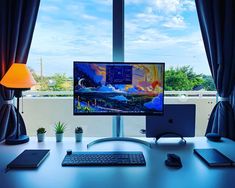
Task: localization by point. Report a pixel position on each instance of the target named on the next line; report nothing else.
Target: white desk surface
(155, 174)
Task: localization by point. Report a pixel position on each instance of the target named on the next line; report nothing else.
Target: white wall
(45, 111)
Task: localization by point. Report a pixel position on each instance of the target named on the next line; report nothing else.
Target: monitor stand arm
(167, 133)
(118, 139)
(118, 134)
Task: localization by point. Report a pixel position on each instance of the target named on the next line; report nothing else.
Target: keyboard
(122, 158)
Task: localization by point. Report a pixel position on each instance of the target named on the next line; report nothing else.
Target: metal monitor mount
(118, 134)
(170, 133)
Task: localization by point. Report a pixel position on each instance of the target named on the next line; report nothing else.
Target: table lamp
(19, 78)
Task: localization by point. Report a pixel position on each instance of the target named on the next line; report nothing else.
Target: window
(69, 30)
(168, 31)
(164, 30)
(155, 31)
(66, 31)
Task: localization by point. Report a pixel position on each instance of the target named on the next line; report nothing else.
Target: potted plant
(41, 134)
(78, 134)
(59, 130)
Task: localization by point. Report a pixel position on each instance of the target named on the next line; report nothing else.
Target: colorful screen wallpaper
(124, 88)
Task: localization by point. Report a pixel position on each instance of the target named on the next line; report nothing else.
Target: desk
(51, 174)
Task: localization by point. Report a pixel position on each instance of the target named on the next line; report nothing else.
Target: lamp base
(14, 141)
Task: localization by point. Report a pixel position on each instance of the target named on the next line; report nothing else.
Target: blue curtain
(217, 22)
(17, 22)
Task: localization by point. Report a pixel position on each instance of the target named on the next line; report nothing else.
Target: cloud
(108, 88)
(61, 39)
(104, 2)
(164, 13)
(188, 5)
(168, 6)
(174, 51)
(176, 22)
(154, 39)
(148, 16)
(134, 2)
(81, 32)
(49, 8)
(78, 10)
(165, 31)
(174, 6)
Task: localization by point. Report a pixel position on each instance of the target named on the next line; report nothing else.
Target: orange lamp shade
(18, 76)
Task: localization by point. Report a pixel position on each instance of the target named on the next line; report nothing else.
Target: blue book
(29, 159)
(213, 158)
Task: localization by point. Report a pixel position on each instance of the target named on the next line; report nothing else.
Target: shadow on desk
(173, 146)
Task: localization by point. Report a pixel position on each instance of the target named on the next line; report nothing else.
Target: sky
(81, 30)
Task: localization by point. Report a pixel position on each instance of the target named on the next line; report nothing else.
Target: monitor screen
(118, 88)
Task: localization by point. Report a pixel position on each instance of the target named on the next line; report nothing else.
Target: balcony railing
(43, 109)
(166, 93)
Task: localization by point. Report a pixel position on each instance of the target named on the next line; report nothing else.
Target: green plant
(78, 130)
(60, 127)
(41, 130)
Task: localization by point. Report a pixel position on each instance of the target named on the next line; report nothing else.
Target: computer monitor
(107, 88)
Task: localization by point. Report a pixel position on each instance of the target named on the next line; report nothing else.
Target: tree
(182, 79)
(61, 83)
(34, 74)
(208, 83)
(41, 81)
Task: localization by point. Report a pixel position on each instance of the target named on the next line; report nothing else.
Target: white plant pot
(78, 137)
(59, 137)
(41, 137)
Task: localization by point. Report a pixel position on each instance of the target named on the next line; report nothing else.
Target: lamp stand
(18, 138)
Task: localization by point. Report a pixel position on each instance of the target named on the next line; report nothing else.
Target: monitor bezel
(113, 113)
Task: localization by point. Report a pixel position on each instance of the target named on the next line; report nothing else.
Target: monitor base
(119, 139)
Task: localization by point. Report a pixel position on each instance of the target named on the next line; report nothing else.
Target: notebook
(213, 157)
(29, 159)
